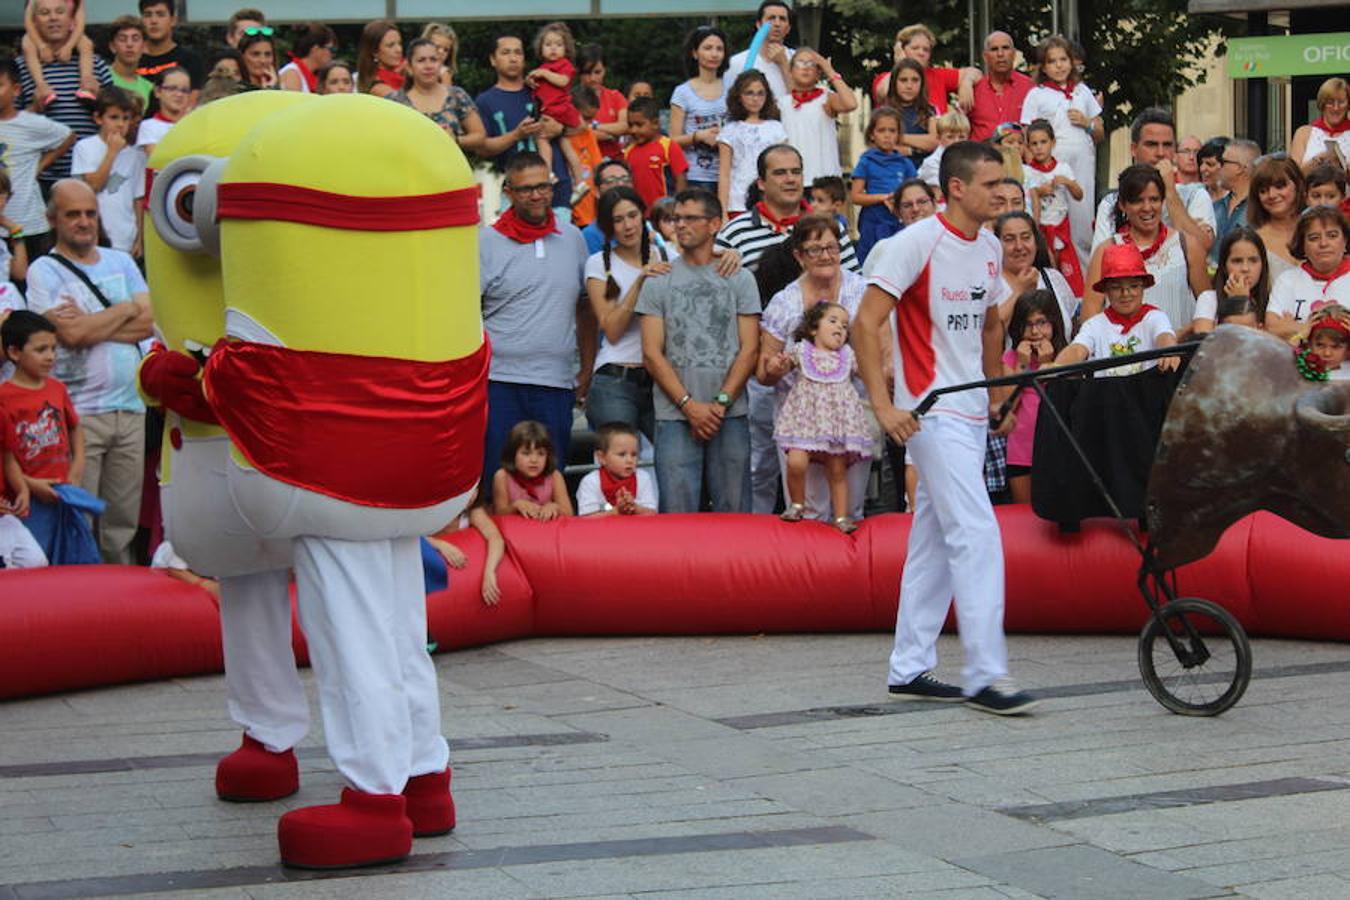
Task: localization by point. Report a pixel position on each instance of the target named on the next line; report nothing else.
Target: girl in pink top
(1036, 332)
(529, 483)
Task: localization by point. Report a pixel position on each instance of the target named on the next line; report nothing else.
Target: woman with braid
(621, 389)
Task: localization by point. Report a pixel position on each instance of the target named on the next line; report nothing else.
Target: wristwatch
(683, 401)
(723, 398)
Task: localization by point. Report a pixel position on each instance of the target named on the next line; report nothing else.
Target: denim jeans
(616, 399)
(509, 404)
(683, 464)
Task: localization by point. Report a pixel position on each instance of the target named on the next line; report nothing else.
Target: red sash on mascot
(368, 430)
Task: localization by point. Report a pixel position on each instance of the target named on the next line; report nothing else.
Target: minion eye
(178, 200)
(177, 204)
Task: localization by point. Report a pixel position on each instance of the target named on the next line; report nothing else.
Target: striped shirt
(749, 235)
(64, 79)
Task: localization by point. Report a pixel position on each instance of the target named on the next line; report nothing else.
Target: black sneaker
(1002, 698)
(926, 687)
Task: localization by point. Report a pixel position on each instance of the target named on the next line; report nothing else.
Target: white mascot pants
(263, 691)
(362, 603)
(954, 551)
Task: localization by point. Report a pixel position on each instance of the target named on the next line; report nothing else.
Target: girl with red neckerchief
(1323, 277)
(529, 483)
(810, 109)
(173, 95)
(1075, 115)
(1052, 186)
(1326, 138)
(312, 51)
(1177, 268)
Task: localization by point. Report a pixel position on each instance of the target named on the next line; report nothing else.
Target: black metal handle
(1022, 379)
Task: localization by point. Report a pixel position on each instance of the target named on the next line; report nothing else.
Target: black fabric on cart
(1117, 420)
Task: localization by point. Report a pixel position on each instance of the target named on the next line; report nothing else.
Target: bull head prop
(1244, 432)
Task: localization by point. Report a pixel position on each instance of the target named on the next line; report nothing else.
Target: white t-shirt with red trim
(1104, 339)
(1054, 207)
(942, 282)
(1296, 291)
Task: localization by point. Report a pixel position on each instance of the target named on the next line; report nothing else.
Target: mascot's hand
(171, 378)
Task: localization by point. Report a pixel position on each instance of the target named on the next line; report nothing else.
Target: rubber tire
(1233, 633)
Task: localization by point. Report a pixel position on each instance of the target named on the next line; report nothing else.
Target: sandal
(845, 524)
(794, 512)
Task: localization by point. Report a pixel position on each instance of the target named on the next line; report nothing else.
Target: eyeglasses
(822, 250)
(1224, 161)
(680, 220)
(542, 188)
(1129, 285)
(616, 179)
(753, 94)
(174, 89)
(804, 63)
(1038, 323)
(265, 30)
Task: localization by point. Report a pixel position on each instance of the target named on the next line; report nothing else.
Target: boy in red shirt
(651, 152)
(42, 432)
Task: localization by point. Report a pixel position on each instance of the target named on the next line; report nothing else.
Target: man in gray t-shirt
(700, 339)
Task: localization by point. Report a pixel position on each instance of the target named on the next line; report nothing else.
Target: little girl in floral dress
(822, 420)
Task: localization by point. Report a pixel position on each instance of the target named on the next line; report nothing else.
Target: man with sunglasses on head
(246, 20)
(162, 53)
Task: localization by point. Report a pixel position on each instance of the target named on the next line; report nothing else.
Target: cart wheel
(1215, 664)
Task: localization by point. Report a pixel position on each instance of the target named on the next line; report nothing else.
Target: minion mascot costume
(265, 695)
(353, 385)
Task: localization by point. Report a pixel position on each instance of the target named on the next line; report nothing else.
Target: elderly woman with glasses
(815, 245)
(1326, 138)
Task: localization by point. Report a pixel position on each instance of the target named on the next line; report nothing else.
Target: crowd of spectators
(654, 259)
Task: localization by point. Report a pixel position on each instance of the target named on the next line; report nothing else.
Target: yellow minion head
(185, 285)
(348, 226)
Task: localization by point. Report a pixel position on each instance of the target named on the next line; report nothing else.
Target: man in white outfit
(774, 56)
(941, 277)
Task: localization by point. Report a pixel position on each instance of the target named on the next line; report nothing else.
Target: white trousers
(263, 690)
(1083, 160)
(362, 603)
(954, 551)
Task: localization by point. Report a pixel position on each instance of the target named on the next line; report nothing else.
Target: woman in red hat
(1127, 324)
(1176, 264)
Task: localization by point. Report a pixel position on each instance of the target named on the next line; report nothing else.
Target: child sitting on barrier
(529, 483)
(618, 487)
(1127, 324)
(1036, 331)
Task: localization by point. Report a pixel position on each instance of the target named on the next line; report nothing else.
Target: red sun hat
(1330, 323)
(1122, 261)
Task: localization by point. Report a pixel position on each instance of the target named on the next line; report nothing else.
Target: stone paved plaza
(729, 767)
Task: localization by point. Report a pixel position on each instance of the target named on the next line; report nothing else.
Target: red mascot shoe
(253, 773)
(431, 807)
(361, 830)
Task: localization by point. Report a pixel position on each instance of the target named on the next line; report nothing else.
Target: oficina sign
(1296, 54)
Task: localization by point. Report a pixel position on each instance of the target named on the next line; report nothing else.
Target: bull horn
(1326, 409)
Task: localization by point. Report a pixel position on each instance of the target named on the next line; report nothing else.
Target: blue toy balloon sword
(758, 41)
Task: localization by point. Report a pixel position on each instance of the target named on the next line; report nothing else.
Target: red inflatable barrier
(77, 627)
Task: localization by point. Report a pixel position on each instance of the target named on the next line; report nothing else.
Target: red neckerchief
(801, 98)
(609, 486)
(1315, 275)
(1127, 323)
(287, 409)
(531, 486)
(522, 232)
(391, 77)
(1048, 166)
(310, 78)
(1067, 88)
(1321, 123)
(160, 117)
(783, 224)
(1151, 249)
(1345, 206)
